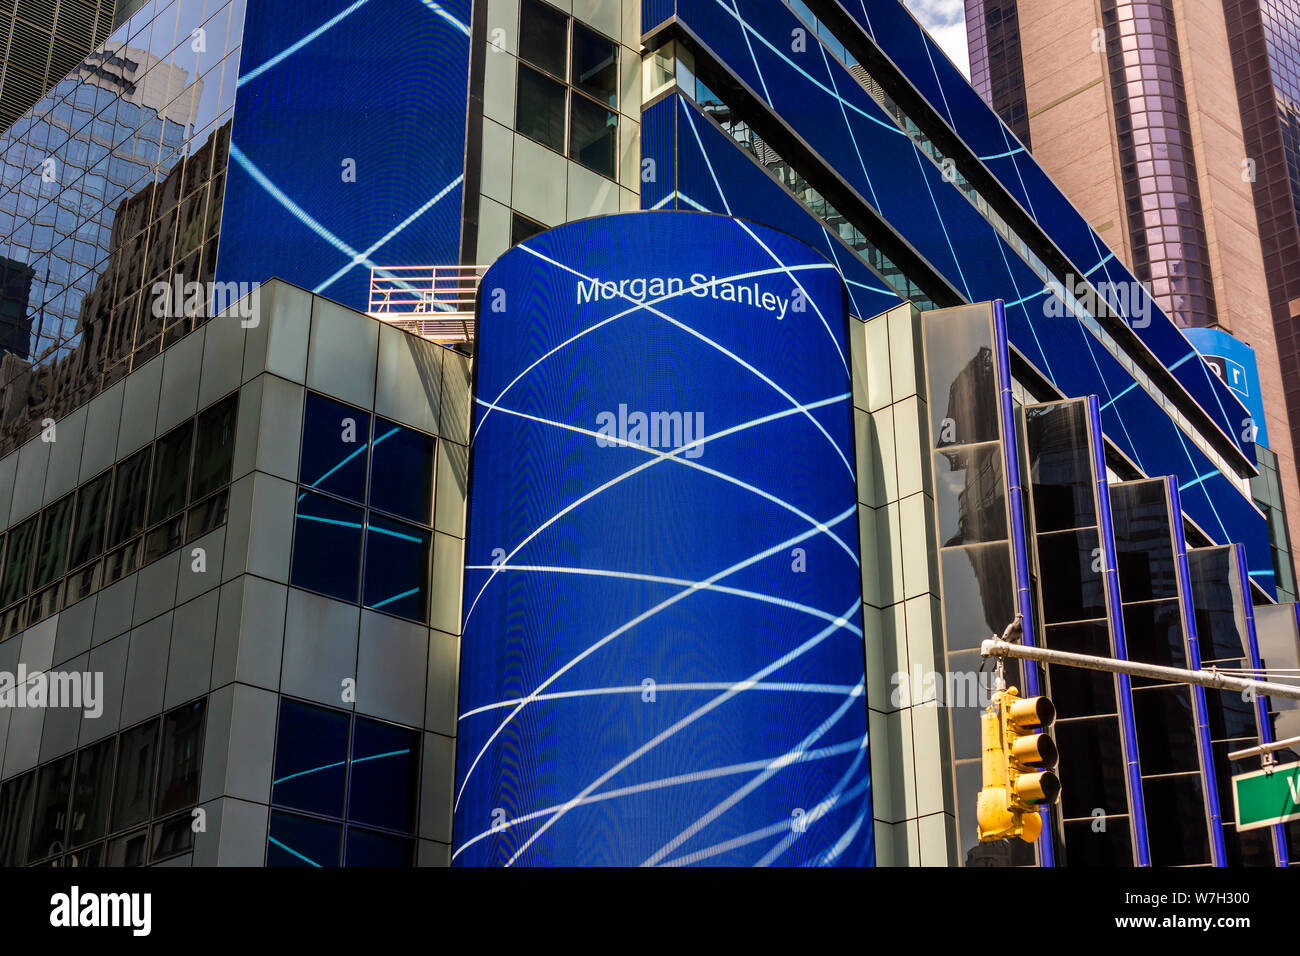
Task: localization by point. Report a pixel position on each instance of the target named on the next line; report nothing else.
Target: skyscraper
(1167, 124)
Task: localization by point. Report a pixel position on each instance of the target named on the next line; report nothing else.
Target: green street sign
(1261, 799)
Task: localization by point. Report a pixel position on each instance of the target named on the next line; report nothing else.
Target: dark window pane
(593, 140)
(1086, 845)
(18, 561)
(367, 848)
(397, 562)
(1091, 767)
(384, 775)
(173, 836)
(298, 841)
(1074, 691)
(129, 850)
(1143, 540)
(86, 856)
(1154, 632)
(311, 752)
(178, 768)
(1060, 467)
(91, 790)
(595, 65)
(171, 473)
(50, 826)
(1166, 730)
(540, 109)
(327, 547)
(208, 514)
(543, 36)
(401, 482)
(16, 799)
(1176, 823)
(335, 439)
(522, 228)
(92, 518)
(129, 488)
(1069, 564)
(214, 447)
(132, 801)
(163, 539)
(52, 555)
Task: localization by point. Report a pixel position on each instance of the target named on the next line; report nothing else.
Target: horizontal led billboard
(662, 660)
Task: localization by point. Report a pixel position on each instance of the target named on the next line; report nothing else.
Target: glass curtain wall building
(42, 42)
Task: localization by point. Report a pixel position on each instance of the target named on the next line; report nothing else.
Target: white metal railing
(434, 302)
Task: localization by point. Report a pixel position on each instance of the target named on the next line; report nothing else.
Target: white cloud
(946, 21)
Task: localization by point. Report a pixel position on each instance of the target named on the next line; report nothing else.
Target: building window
(138, 788)
(168, 493)
(363, 524)
(567, 87)
(541, 109)
(522, 228)
(345, 790)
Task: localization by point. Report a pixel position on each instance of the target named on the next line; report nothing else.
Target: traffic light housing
(1018, 757)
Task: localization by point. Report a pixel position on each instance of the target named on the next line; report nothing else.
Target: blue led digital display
(706, 170)
(662, 658)
(1234, 362)
(348, 148)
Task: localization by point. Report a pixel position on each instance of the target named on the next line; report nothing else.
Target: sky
(946, 21)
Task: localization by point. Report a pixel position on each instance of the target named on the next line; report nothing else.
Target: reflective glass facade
(111, 184)
(41, 42)
(1161, 191)
(1264, 36)
(996, 71)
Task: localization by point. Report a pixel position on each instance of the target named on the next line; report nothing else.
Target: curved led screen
(662, 660)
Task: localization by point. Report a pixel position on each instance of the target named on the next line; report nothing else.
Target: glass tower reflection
(111, 183)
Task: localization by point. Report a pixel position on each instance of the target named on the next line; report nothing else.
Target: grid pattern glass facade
(1161, 192)
(41, 41)
(60, 813)
(110, 186)
(172, 491)
(996, 67)
(345, 789)
(1264, 37)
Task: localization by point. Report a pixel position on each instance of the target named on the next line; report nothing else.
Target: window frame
(343, 821)
(570, 86)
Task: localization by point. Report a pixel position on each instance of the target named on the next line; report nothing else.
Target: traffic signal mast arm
(1175, 675)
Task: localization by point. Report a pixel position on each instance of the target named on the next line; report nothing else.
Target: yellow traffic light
(1017, 759)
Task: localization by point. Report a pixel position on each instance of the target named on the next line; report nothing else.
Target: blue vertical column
(1218, 852)
(1019, 545)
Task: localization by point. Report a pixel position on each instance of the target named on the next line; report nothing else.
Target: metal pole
(1176, 675)
(1264, 749)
